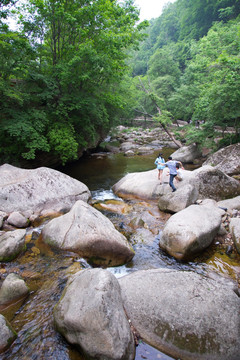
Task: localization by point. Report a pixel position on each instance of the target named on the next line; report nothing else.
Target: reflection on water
(46, 271)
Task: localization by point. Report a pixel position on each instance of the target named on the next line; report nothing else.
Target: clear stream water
(46, 271)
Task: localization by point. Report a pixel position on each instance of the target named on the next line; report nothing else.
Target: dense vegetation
(190, 67)
(75, 68)
(61, 80)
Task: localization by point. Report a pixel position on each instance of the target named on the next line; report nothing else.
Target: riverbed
(46, 271)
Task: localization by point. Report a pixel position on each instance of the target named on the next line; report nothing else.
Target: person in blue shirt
(172, 166)
(160, 162)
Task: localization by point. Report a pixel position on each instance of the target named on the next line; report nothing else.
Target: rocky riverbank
(181, 313)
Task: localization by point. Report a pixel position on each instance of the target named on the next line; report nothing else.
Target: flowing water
(46, 271)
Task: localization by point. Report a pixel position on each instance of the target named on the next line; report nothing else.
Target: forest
(74, 69)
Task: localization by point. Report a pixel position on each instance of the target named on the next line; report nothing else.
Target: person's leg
(160, 175)
(171, 182)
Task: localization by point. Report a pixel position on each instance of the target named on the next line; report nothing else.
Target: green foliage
(62, 77)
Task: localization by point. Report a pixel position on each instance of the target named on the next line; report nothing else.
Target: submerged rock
(89, 233)
(90, 315)
(7, 334)
(183, 314)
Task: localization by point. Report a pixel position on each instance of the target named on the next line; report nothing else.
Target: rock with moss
(183, 314)
(12, 243)
(13, 288)
(7, 334)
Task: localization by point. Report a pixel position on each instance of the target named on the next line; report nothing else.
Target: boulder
(187, 154)
(18, 220)
(13, 288)
(226, 159)
(234, 227)
(40, 189)
(11, 244)
(190, 231)
(143, 185)
(89, 233)
(183, 314)
(212, 183)
(7, 334)
(179, 200)
(91, 316)
(230, 204)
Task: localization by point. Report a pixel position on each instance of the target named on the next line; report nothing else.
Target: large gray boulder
(187, 154)
(144, 185)
(190, 231)
(11, 244)
(12, 289)
(90, 315)
(214, 184)
(230, 204)
(183, 314)
(226, 159)
(89, 233)
(40, 190)
(179, 200)
(7, 334)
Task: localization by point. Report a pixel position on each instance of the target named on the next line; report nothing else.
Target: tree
(80, 52)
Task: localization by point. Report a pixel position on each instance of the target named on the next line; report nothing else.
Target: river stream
(46, 271)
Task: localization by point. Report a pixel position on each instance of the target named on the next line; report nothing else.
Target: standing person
(172, 166)
(160, 162)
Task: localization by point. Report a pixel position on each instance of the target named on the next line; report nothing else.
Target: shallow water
(46, 271)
